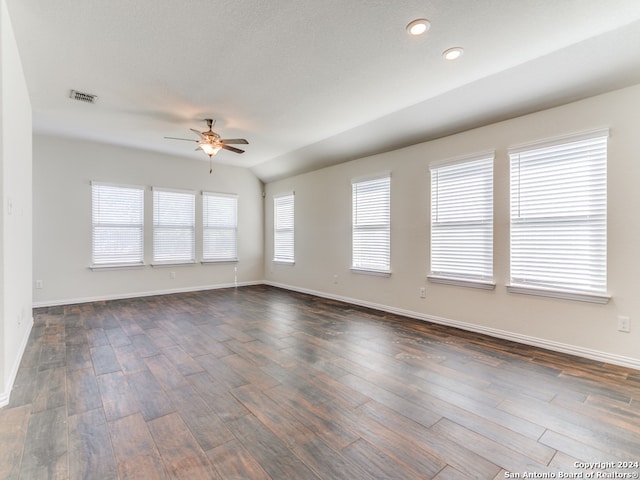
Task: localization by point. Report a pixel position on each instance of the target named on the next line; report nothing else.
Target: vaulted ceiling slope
(312, 83)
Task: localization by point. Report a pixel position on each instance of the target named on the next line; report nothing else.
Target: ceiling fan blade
(234, 140)
(196, 131)
(185, 139)
(232, 149)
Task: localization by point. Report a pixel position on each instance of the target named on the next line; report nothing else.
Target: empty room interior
(319, 240)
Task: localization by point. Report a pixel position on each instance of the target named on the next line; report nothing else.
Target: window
(283, 228)
(219, 227)
(173, 226)
(462, 222)
(117, 225)
(559, 218)
(371, 234)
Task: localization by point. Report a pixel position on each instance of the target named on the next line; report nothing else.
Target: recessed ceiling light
(418, 27)
(453, 53)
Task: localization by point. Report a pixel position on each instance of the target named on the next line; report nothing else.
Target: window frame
(359, 208)
(190, 227)
(233, 227)
(588, 218)
(472, 178)
(285, 230)
(138, 226)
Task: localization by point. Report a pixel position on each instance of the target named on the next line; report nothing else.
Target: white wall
(15, 210)
(323, 236)
(63, 170)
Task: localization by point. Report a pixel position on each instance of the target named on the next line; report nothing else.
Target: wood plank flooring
(261, 383)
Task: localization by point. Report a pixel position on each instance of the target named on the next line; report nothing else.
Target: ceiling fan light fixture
(453, 53)
(418, 27)
(210, 148)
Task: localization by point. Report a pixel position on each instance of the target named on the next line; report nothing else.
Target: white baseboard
(6, 394)
(492, 332)
(122, 296)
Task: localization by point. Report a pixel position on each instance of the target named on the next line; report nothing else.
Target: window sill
(214, 262)
(462, 282)
(173, 264)
(562, 294)
(284, 262)
(117, 266)
(375, 273)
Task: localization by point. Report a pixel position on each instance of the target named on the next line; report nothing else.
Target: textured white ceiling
(311, 83)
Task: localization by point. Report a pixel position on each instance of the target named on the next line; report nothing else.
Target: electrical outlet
(172, 275)
(335, 279)
(623, 324)
(423, 292)
(39, 284)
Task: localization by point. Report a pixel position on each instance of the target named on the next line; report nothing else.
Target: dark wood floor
(259, 383)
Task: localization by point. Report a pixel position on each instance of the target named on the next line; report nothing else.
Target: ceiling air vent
(83, 97)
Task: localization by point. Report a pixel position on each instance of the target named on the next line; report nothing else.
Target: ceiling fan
(211, 143)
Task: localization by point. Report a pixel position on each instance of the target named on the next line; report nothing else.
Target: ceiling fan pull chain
(210, 165)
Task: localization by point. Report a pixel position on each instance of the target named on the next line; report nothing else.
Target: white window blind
(371, 233)
(462, 219)
(559, 215)
(173, 226)
(219, 227)
(117, 225)
(283, 228)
